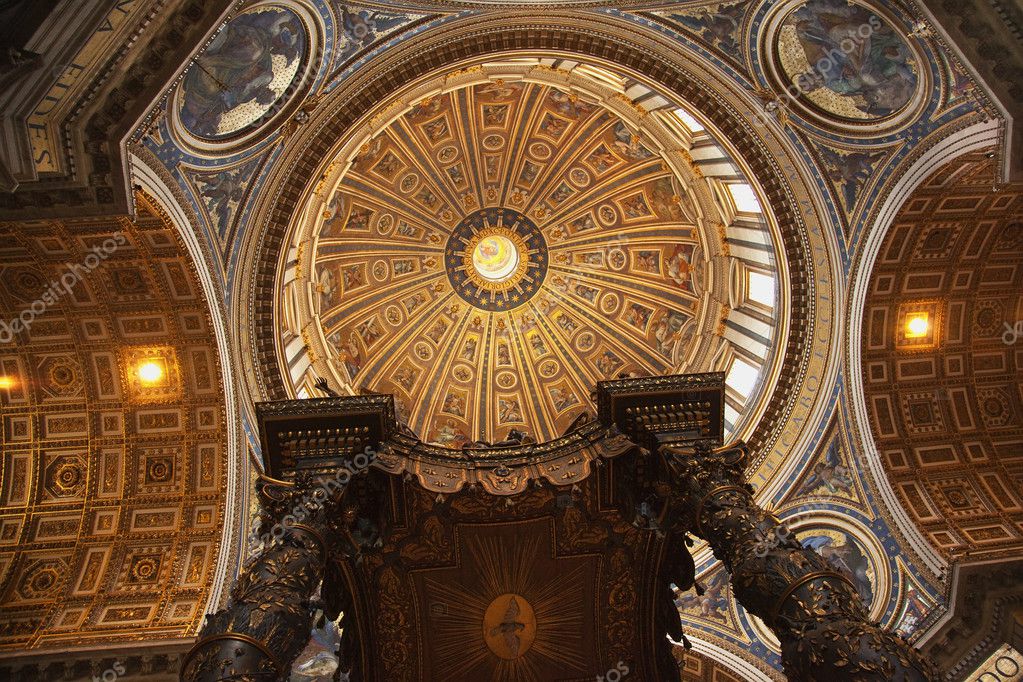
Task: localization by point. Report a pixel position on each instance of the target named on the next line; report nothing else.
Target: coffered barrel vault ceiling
(493, 251)
(113, 492)
(946, 409)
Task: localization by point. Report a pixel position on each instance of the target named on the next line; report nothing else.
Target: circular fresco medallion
(548, 369)
(540, 150)
(579, 177)
(617, 259)
(423, 351)
(493, 142)
(447, 154)
(585, 342)
(463, 373)
(496, 259)
(393, 315)
(245, 76)
(844, 62)
(409, 182)
(609, 303)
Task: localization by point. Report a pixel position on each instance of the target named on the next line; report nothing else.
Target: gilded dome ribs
(428, 172)
(565, 155)
(385, 200)
(404, 337)
(527, 373)
(515, 137)
(457, 339)
(470, 151)
(583, 378)
(631, 286)
(646, 360)
(373, 295)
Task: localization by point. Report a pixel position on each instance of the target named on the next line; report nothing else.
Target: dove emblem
(509, 626)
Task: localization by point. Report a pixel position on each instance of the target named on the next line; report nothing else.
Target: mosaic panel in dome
(845, 64)
(832, 474)
(719, 26)
(245, 75)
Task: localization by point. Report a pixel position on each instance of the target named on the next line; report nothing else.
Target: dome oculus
(496, 259)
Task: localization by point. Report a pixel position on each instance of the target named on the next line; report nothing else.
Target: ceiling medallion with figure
(496, 259)
(509, 626)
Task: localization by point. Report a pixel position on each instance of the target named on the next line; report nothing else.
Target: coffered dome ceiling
(490, 251)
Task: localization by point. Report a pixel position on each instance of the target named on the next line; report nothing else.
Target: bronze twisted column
(313, 448)
(815, 611)
(269, 619)
(684, 486)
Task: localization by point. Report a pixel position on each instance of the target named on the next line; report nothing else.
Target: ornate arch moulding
(974, 137)
(151, 177)
(811, 252)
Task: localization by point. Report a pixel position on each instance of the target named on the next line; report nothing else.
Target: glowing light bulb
(917, 325)
(150, 372)
(7, 383)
